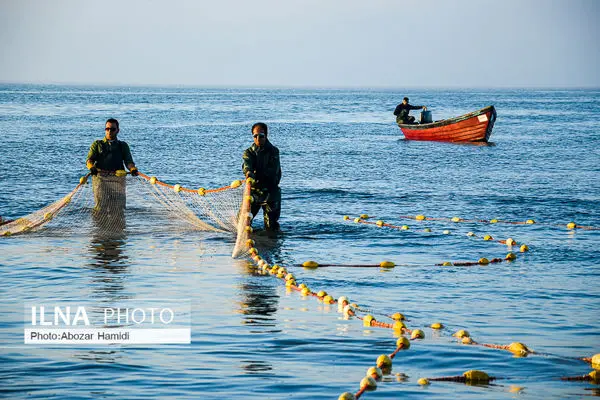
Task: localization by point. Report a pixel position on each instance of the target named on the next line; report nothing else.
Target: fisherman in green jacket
(261, 163)
(105, 157)
(110, 154)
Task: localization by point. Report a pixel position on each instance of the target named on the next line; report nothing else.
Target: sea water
(341, 154)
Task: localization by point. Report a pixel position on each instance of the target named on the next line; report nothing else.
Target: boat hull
(473, 127)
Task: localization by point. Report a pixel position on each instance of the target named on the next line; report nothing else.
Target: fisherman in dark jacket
(105, 158)
(402, 110)
(261, 163)
(110, 154)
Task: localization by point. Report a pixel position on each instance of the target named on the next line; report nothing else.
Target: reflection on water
(481, 144)
(259, 303)
(593, 392)
(99, 356)
(107, 257)
(256, 366)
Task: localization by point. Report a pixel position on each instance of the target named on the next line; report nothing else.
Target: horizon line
(301, 87)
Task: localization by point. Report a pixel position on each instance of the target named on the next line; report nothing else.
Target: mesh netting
(244, 223)
(111, 203)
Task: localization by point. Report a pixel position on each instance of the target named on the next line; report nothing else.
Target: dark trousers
(407, 120)
(271, 206)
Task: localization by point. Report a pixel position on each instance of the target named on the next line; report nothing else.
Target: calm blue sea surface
(342, 154)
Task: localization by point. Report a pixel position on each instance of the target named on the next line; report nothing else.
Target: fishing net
(112, 203)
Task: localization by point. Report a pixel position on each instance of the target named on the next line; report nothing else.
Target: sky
(302, 43)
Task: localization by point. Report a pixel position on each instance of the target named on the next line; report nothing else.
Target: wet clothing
(271, 212)
(110, 195)
(110, 155)
(263, 163)
(109, 191)
(401, 113)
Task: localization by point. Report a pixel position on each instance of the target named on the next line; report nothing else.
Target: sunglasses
(258, 135)
(110, 129)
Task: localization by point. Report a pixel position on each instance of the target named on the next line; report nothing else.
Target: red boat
(473, 127)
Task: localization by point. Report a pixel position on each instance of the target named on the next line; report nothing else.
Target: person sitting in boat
(105, 157)
(261, 163)
(402, 110)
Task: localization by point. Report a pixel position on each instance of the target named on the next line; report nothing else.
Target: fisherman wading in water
(261, 163)
(106, 161)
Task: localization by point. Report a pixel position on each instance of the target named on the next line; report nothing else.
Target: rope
(206, 209)
(381, 224)
(385, 361)
(184, 189)
(460, 379)
(593, 377)
(360, 393)
(570, 225)
(388, 264)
